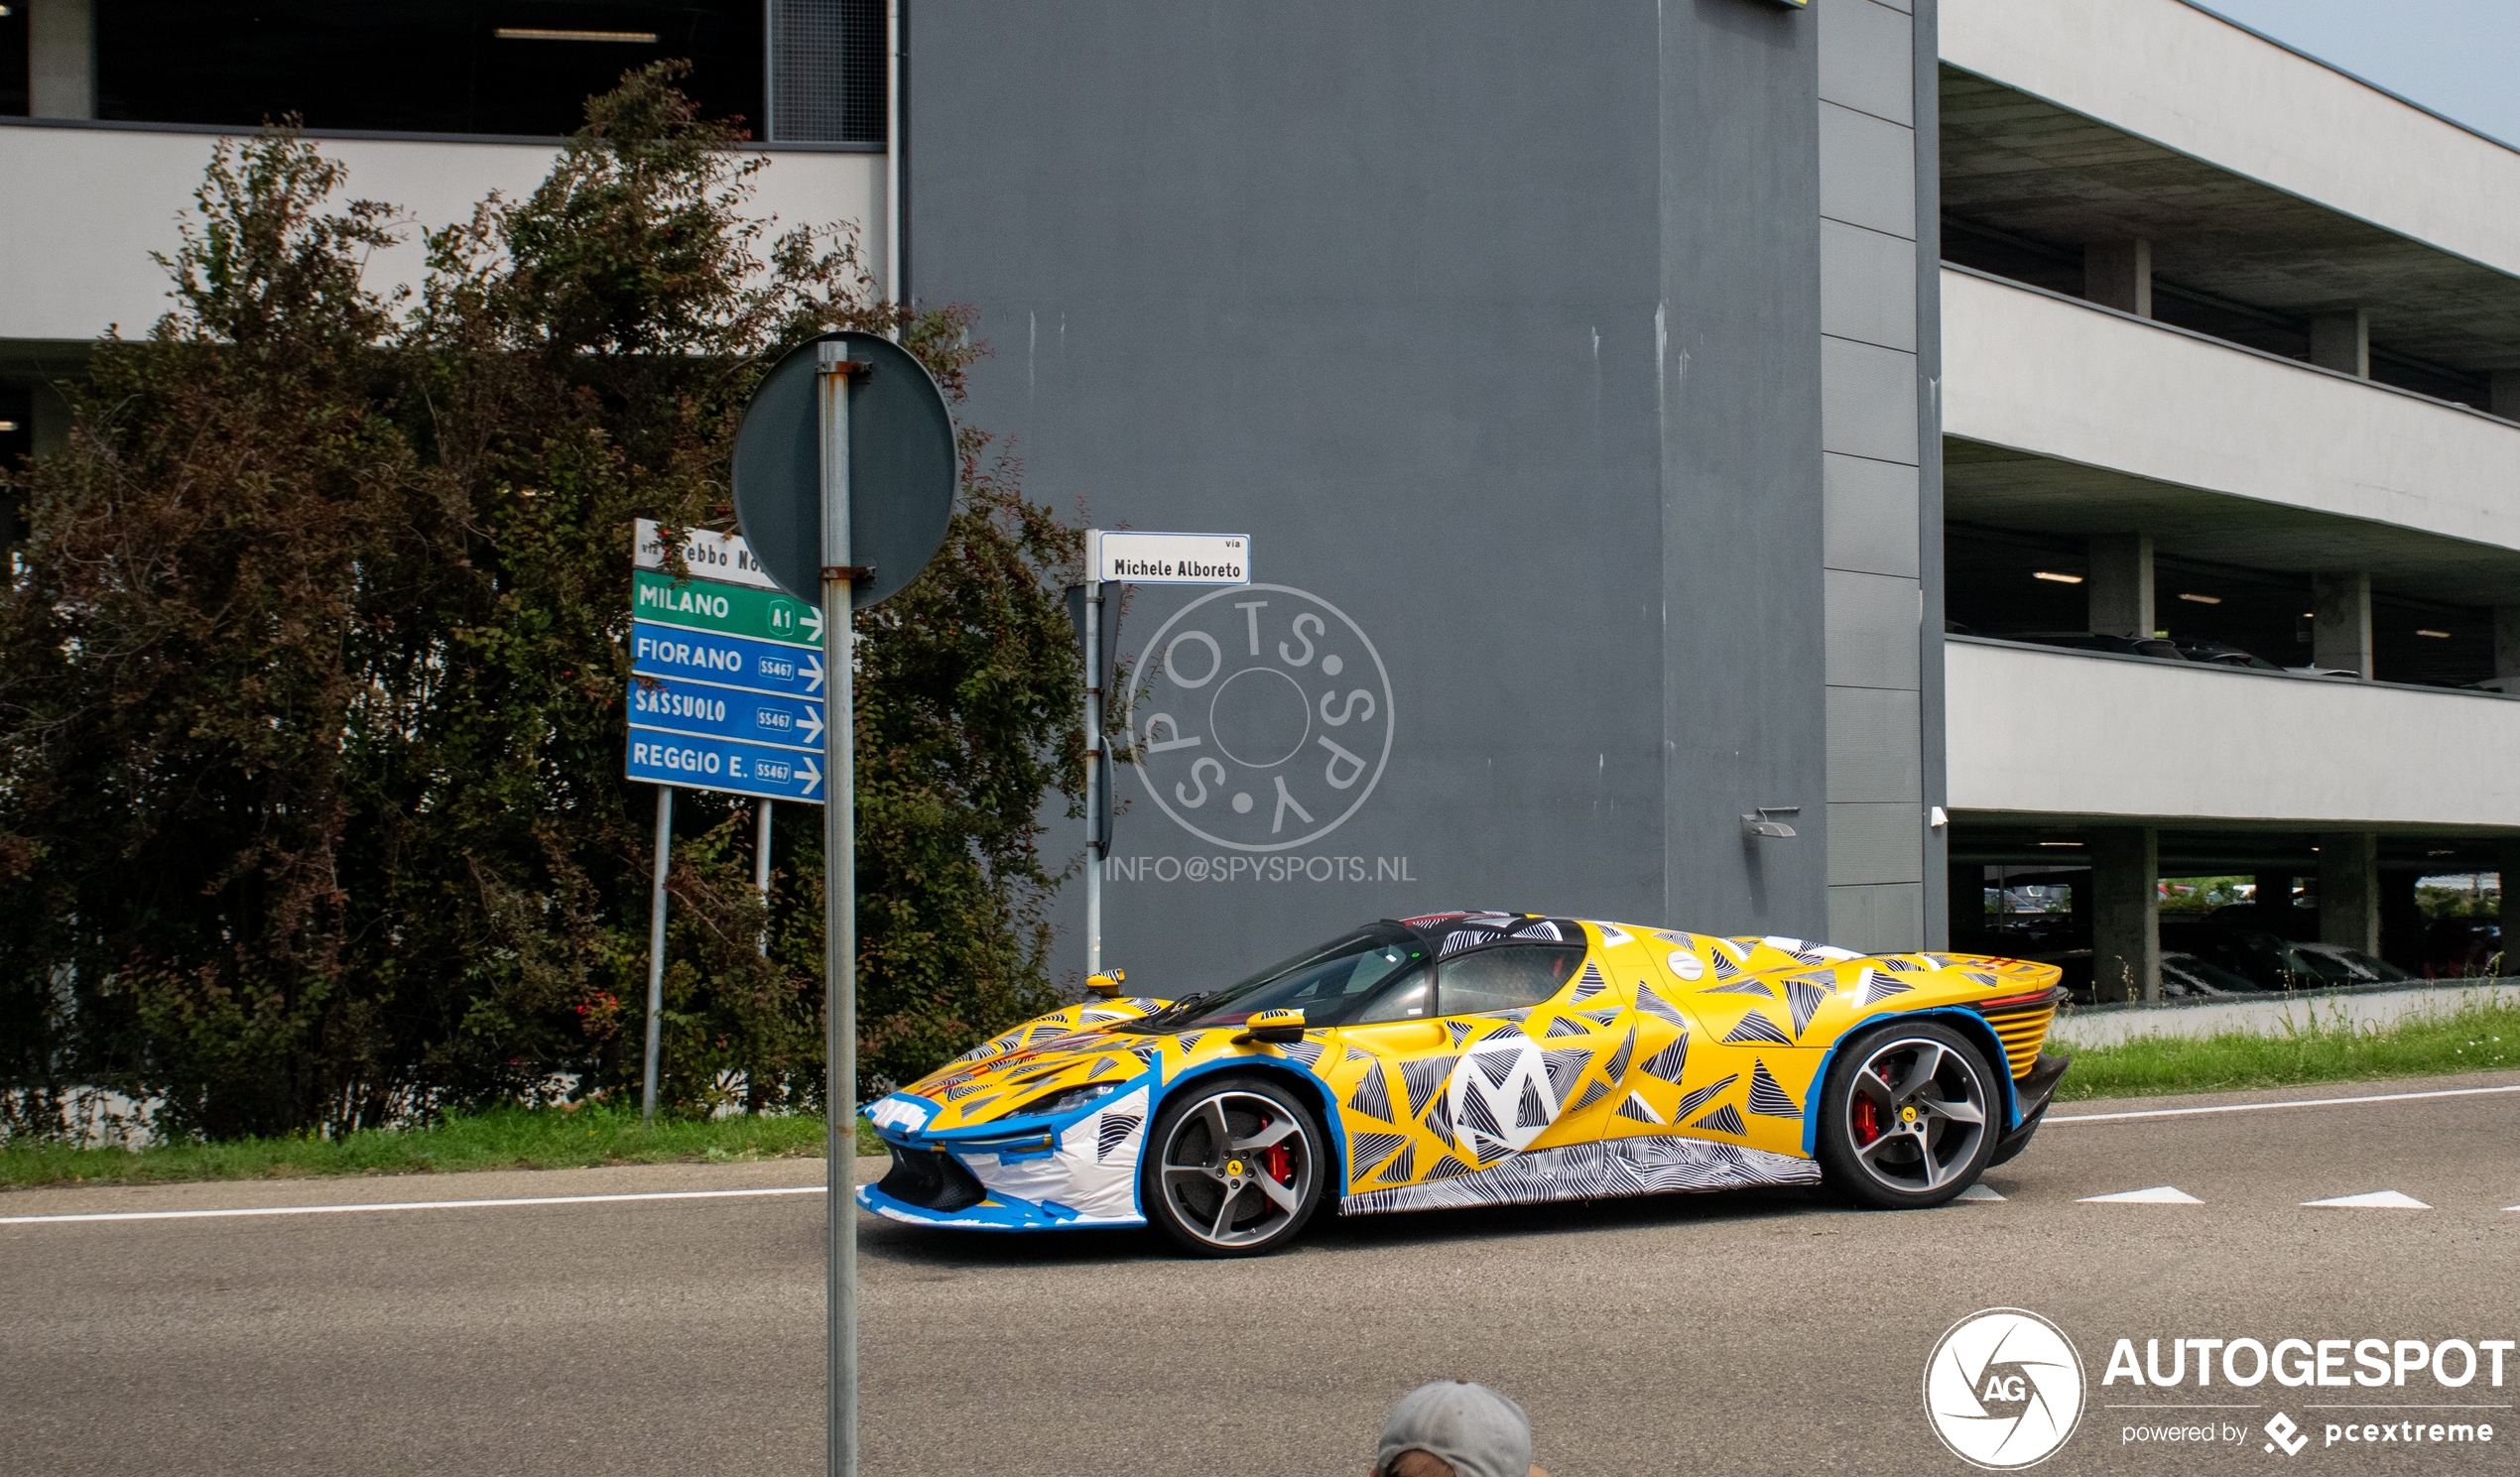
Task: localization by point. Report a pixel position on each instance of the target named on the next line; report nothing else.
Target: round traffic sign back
(903, 470)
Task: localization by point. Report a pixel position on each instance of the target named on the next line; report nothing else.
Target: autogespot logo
(2003, 1389)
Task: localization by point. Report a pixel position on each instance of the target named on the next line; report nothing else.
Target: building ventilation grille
(826, 72)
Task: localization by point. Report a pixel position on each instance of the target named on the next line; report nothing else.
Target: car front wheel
(1235, 1166)
(1910, 1117)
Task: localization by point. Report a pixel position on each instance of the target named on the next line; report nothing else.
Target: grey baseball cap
(1479, 1433)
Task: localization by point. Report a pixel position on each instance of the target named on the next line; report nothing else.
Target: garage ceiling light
(2435, 635)
(534, 32)
(2052, 577)
(2059, 843)
(6, 426)
(2200, 599)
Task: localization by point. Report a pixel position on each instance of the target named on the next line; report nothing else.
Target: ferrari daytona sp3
(1482, 1059)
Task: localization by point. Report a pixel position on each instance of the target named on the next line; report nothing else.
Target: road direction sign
(901, 473)
(762, 665)
(727, 609)
(673, 705)
(726, 765)
(1131, 558)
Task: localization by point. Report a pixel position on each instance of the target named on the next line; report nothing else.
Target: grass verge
(2472, 1039)
(501, 1138)
(2478, 1036)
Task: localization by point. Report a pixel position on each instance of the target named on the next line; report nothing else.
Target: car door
(1438, 1076)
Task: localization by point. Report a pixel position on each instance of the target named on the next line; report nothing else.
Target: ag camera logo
(2003, 1389)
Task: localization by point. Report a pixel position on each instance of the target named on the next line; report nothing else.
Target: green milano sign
(727, 609)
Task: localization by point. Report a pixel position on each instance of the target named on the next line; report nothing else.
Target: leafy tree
(312, 672)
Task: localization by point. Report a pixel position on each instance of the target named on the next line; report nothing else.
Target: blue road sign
(734, 661)
(701, 710)
(724, 765)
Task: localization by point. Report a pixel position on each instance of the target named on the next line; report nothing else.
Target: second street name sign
(1169, 559)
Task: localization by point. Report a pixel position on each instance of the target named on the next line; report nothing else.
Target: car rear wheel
(1237, 1168)
(1909, 1118)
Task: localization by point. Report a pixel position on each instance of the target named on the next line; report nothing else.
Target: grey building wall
(1873, 303)
(1499, 328)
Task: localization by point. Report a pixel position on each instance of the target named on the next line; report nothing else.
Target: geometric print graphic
(1488, 1092)
(1424, 1080)
(1700, 1098)
(1371, 1098)
(1586, 1171)
(1806, 999)
(1766, 1097)
(1879, 987)
(1593, 1092)
(1638, 1110)
(1758, 987)
(1651, 1003)
(1723, 1119)
(1756, 1026)
(1563, 1025)
(1668, 1062)
(1369, 1150)
(1591, 984)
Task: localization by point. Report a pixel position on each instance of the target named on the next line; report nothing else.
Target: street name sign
(1118, 558)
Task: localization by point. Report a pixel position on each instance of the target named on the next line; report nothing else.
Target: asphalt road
(1764, 1333)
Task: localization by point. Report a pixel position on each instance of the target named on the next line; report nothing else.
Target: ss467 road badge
(1261, 716)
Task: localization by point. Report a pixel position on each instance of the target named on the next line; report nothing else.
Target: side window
(1506, 977)
(1406, 999)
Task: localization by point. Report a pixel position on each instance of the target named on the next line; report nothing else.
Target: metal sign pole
(839, 922)
(656, 947)
(761, 872)
(1096, 800)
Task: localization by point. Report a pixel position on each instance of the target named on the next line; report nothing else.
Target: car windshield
(1328, 983)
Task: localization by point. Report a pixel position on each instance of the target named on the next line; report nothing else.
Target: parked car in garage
(2184, 976)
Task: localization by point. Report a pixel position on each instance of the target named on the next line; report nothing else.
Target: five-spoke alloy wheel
(1236, 1167)
(1911, 1116)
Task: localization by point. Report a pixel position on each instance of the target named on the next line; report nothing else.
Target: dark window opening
(501, 68)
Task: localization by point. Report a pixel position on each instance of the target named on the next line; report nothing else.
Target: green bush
(312, 667)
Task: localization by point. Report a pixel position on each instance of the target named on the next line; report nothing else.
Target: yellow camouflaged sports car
(1482, 1059)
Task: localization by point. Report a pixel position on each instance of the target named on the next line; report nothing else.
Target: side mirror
(1279, 1028)
(1107, 985)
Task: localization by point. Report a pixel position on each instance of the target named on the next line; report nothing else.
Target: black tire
(1249, 1195)
(1894, 1127)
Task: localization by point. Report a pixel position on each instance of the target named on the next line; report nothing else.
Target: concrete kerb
(2361, 1006)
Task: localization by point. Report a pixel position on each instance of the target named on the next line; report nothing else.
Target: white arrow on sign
(812, 777)
(813, 674)
(812, 726)
(813, 623)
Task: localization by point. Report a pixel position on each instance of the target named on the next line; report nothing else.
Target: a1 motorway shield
(704, 711)
(726, 765)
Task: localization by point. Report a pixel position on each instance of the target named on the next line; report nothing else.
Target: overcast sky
(2458, 57)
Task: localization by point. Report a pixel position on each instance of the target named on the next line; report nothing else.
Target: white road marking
(2378, 1199)
(1977, 1192)
(2159, 1195)
(670, 1194)
(2308, 1102)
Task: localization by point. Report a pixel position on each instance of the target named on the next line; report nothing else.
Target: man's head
(1454, 1429)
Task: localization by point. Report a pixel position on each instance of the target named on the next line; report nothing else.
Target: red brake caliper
(1279, 1158)
(1867, 1120)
